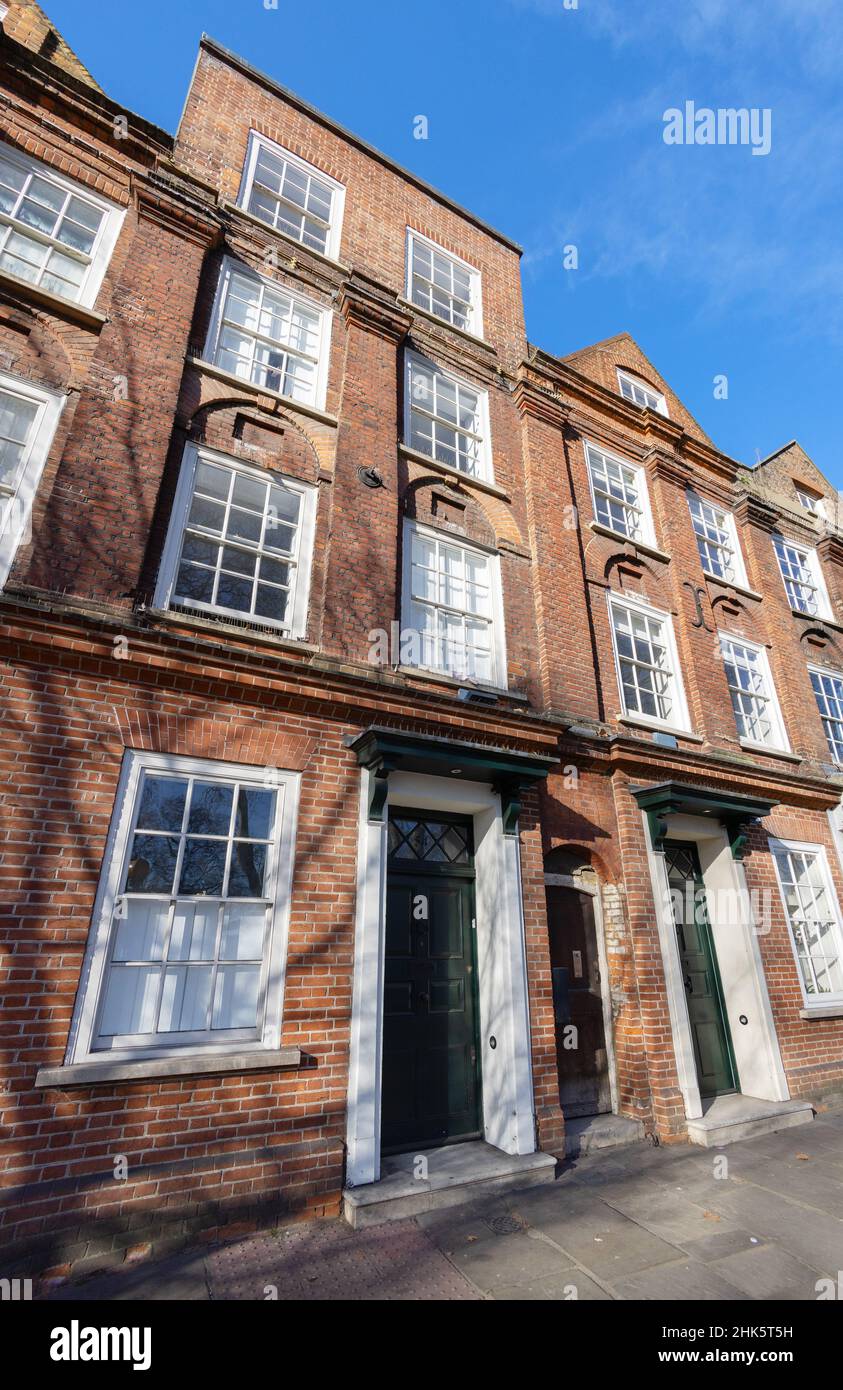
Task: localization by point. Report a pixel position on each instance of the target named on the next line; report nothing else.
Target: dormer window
(810, 501)
(644, 396)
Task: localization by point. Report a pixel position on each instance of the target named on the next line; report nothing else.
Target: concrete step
(727, 1119)
(591, 1132)
(444, 1177)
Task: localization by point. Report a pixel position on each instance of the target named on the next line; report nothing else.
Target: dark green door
(430, 1087)
(709, 1025)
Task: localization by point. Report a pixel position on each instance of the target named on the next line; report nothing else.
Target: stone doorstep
(729, 1118)
(592, 1132)
(457, 1173)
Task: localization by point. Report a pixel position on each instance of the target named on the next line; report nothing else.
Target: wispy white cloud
(725, 228)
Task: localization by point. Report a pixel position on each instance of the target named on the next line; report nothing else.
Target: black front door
(430, 1088)
(582, 1061)
(706, 1010)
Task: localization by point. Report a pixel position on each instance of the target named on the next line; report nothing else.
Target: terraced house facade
(410, 738)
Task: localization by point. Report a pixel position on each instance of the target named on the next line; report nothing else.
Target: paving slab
(680, 1282)
(509, 1260)
(769, 1273)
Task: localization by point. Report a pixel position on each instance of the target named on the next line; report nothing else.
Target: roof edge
(220, 51)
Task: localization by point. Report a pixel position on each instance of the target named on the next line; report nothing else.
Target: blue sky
(547, 122)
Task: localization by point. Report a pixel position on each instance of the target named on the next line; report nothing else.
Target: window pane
(243, 931)
(129, 1002)
(236, 996)
(194, 934)
(248, 870)
(141, 933)
(162, 803)
(210, 809)
(203, 867)
(152, 864)
(185, 999)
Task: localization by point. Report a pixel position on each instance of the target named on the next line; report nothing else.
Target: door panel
(583, 1070)
(706, 1010)
(430, 1088)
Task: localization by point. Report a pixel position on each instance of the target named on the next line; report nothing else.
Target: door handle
(687, 983)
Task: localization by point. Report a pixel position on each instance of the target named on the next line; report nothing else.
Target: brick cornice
(752, 510)
(172, 206)
(830, 547)
(667, 466)
(364, 303)
(541, 402)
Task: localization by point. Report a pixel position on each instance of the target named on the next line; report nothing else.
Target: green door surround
(510, 772)
(734, 811)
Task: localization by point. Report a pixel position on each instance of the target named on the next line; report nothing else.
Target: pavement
(757, 1220)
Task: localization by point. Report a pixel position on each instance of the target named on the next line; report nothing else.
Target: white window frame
(232, 267)
(16, 510)
(811, 1001)
(732, 543)
(475, 327)
(825, 672)
(498, 643)
(813, 565)
(778, 735)
(648, 535)
(104, 243)
(812, 503)
(484, 458)
(256, 143)
(194, 454)
(636, 384)
(90, 996)
(681, 723)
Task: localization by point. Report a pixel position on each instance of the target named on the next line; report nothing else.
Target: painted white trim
(82, 1035)
(647, 524)
(16, 511)
(507, 1085)
(636, 381)
(107, 234)
(682, 725)
(825, 671)
(740, 576)
(230, 266)
(499, 663)
(334, 237)
(756, 1047)
(476, 325)
(486, 473)
(779, 741)
(813, 564)
(296, 629)
(811, 1001)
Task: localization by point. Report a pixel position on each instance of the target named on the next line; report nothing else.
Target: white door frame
(508, 1109)
(735, 934)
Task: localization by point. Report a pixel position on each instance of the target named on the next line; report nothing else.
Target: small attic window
(634, 390)
(810, 501)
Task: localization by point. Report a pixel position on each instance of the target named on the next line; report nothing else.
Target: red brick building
(378, 691)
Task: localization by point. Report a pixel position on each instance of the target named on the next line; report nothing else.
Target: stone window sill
(250, 389)
(639, 547)
(105, 1073)
(656, 728)
(750, 747)
(823, 1011)
(730, 584)
(456, 473)
(62, 308)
